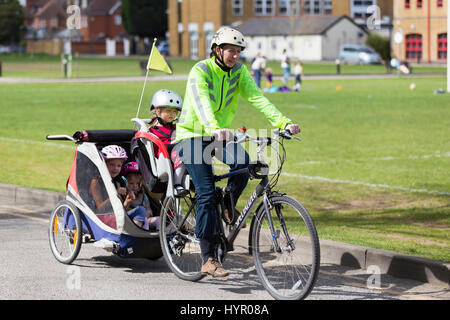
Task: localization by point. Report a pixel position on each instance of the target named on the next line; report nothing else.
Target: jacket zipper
(221, 93)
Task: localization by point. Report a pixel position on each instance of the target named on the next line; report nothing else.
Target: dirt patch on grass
(380, 202)
(417, 240)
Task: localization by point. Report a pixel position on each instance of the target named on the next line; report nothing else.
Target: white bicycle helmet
(166, 98)
(114, 152)
(227, 35)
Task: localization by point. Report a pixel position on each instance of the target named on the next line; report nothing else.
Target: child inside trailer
(114, 157)
(135, 181)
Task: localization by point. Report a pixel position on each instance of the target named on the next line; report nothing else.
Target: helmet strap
(161, 121)
(219, 60)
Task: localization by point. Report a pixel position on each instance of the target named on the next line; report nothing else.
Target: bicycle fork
(276, 233)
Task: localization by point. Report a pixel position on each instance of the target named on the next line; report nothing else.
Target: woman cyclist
(208, 109)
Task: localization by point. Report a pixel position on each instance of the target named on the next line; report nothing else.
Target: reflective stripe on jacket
(211, 98)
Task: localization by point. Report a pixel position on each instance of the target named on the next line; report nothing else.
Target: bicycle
(283, 239)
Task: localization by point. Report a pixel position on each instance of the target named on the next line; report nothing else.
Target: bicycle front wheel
(287, 260)
(180, 247)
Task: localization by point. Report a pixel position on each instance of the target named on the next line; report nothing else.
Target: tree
(11, 21)
(381, 45)
(145, 18)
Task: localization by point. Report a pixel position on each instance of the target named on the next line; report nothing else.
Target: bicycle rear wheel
(180, 247)
(65, 232)
(289, 272)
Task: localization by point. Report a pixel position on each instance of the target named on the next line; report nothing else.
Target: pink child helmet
(130, 167)
(114, 152)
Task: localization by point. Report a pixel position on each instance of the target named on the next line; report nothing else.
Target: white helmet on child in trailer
(227, 35)
(114, 152)
(166, 98)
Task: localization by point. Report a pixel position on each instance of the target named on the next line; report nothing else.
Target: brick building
(423, 24)
(192, 23)
(98, 20)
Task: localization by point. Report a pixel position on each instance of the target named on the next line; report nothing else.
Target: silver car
(353, 53)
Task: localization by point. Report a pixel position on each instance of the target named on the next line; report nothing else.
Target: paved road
(184, 77)
(29, 271)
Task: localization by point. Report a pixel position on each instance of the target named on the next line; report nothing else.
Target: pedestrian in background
(298, 72)
(286, 66)
(258, 65)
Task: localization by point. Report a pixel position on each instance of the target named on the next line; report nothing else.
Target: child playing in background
(269, 78)
(298, 72)
(134, 184)
(165, 105)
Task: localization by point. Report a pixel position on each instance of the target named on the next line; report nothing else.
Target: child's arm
(130, 197)
(94, 190)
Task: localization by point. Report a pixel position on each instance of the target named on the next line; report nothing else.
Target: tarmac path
(29, 271)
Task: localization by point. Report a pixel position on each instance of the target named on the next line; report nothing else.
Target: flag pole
(146, 76)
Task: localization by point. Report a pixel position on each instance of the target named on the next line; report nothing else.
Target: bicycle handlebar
(242, 136)
(60, 137)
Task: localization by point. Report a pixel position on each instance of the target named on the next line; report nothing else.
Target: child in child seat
(166, 104)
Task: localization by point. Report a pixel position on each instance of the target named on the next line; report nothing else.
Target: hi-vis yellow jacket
(211, 98)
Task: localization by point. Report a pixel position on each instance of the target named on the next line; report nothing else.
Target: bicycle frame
(262, 188)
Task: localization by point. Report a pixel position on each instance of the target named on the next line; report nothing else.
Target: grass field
(372, 168)
(47, 66)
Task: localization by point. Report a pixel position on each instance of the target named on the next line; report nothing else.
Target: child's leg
(178, 175)
(179, 169)
(138, 215)
(151, 223)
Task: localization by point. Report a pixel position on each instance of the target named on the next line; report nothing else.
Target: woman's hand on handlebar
(293, 128)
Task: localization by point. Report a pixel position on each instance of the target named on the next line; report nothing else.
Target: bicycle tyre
(65, 232)
(289, 274)
(180, 248)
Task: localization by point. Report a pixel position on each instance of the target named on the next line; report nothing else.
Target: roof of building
(103, 7)
(57, 8)
(53, 9)
(284, 26)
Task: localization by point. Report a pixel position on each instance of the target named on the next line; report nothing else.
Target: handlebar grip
(59, 137)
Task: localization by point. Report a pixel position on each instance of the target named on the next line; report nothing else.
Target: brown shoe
(214, 268)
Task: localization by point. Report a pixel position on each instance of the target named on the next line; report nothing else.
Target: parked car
(163, 48)
(5, 49)
(352, 53)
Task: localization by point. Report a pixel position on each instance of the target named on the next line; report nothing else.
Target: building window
(193, 40)
(237, 8)
(440, 3)
(407, 4)
(118, 20)
(442, 46)
(358, 8)
(264, 7)
(413, 46)
(208, 29)
(317, 7)
(419, 3)
(289, 7)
